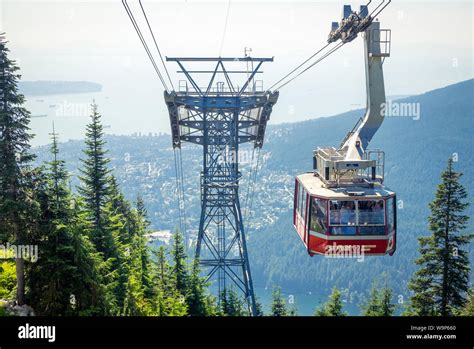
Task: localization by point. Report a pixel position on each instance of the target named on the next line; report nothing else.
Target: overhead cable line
(142, 39)
(254, 181)
(225, 28)
(295, 69)
(177, 178)
(178, 162)
(182, 192)
(376, 8)
(179, 192)
(249, 181)
(373, 14)
(156, 44)
(389, 1)
(334, 49)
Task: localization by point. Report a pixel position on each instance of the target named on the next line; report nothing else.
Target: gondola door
(300, 214)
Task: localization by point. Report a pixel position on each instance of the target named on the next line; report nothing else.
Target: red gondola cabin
(356, 219)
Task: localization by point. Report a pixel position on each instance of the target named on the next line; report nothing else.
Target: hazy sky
(432, 46)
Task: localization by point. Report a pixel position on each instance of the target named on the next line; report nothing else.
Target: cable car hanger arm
(376, 49)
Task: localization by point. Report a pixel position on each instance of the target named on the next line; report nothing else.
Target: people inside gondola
(348, 215)
(371, 217)
(335, 218)
(343, 218)
(378, 212)
(365, 209)
(367, 219)
(348, 218)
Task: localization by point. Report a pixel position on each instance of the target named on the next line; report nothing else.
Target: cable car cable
(178, 193)
(313, 64)
(334, 49)
(252, 183)
(375, 9)
(291, 72)
(156, 44)
(389, 1)
(142, 39)
(182, 190)
(225, 28)
(249, 181)
(253, 188)
(177, 156)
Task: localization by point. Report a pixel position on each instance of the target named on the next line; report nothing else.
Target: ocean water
(124, 112)
(305, 303)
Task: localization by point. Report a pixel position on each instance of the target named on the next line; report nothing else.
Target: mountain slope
(416, 152)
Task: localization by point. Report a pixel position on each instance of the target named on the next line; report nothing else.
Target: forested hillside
(416, 152)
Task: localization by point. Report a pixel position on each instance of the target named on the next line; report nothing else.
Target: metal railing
(220, 89)
(379, 157)
(384, 40)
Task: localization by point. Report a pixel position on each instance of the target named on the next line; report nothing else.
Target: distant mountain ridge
(416, 153)
(44, 88)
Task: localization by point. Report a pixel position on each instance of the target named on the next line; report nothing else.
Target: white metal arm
(356, 141)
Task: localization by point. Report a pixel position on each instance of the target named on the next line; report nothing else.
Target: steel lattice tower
(220, 117)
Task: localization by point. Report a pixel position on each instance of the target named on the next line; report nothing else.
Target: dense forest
(79, 246)
(416, 152)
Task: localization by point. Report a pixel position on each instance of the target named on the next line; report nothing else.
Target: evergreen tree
(387, 308)
(278, 303)
(144, 252)
(199, 303)
(231, 304)
(442, 282)
(131, 256)
(119, 226)
(142, 211)
(223, 303)
(95, 183)
(91, 295)
(379, 303)
(140, 265)
(421, 303)
(373, 304)
(135, 303)
(49, 279)
(180, 268)
(119, 207)
(468, 309)
(166, 299)
(107, 227)
(16, 176)
(333, 307)
(120, 258)
(259, 307)
(188, 282)
(162, 275)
